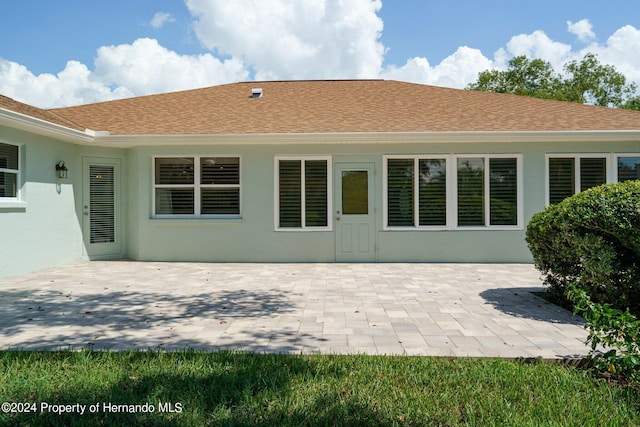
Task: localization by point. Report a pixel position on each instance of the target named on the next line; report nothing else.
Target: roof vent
(256, 92)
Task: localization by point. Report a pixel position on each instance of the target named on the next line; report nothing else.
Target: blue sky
(62, 52)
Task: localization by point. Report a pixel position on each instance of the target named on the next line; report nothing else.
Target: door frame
(112, 250)
(338, 168)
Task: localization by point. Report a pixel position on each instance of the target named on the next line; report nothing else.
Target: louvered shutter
(400, 192)
(593, 172)
(290, 193)
(432, 197)
(503, 191)
(561, 179)
(471, 192)
(315, 181)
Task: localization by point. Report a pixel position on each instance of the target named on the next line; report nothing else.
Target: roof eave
(129, 141)
(31, 124)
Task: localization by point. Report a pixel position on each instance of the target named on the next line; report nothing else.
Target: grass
(223, 388)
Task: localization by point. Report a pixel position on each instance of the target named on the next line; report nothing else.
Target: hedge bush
(592, 239)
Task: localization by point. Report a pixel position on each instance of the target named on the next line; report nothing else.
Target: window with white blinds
(487, 191)
(569, 175)
(593, 172)
(303, 193)
(200, 186)
(102, 223)
(432, 192)
(561, 179)
(9, 171)
(400, 194)
(416, 191)
(503, 191)
(482, 191)
(471, 203)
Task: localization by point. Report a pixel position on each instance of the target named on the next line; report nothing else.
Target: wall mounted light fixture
(61, 169)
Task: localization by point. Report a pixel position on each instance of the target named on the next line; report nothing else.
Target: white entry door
(101, 214)
(355, 212)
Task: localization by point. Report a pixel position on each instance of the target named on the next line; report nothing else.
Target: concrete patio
(477, 310)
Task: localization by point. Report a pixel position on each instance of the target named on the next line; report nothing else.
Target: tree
(535, 78)
(586, 81)
(589, 82)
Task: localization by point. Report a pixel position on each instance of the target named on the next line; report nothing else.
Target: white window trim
(196, 187)
(14, 202)
(487, 195)
(616, 156)
(452, 192)
(276, 194)
(416, 193)
(610, 165)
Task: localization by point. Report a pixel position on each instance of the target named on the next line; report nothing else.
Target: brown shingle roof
(50, 116)
(340, 106)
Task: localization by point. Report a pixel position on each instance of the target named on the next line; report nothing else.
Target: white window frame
(197, 187)
(416, 193)
(609, 162)
(276, 194)
(487, 192)
(17, 201)
(616, 156)
(452, 192)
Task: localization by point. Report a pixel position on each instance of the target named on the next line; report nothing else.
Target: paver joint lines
(414, 309)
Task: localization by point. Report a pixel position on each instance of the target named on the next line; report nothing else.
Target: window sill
(194, 220)
(303, 230)
(407, 228)
(470, 228)
(490, 228)
(13, 204)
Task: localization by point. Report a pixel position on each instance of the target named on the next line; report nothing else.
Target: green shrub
(616, 331)
(593, 240)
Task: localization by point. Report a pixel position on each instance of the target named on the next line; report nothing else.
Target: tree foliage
(586, 81)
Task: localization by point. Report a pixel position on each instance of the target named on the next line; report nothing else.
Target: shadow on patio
(523, 303)
(50, 319)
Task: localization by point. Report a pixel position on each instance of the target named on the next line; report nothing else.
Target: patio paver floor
(476, 310)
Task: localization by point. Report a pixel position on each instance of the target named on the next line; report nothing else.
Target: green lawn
(205, 388)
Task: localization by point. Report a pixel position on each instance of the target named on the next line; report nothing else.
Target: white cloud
(539, 45)
(462, 67)
(145, 67)
(161, 18)
(457, 70)
(73, 85)
(582, 29)
(141, 68)
(621, 51)
(313, 39)
(294, 40)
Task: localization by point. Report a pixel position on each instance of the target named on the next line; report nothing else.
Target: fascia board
(128, 141)
(31, 124)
